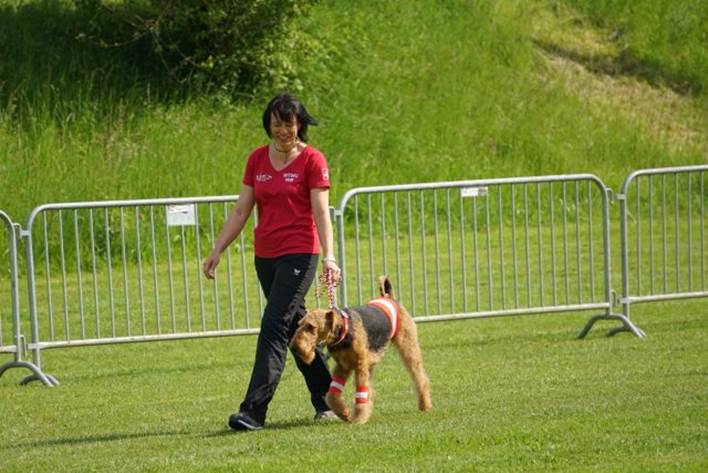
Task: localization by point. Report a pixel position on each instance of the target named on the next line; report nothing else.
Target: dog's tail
(385, 287)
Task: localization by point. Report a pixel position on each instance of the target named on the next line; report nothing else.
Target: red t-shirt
(285, 221)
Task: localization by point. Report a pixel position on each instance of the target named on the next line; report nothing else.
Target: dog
(357, 339)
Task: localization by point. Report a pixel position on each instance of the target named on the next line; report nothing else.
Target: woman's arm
(232, 228)
(320, 211)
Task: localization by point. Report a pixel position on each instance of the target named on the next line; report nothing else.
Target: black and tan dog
(357, 339)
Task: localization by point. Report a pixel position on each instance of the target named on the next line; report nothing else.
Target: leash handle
(327, 279)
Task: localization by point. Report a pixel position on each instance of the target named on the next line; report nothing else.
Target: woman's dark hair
(285, 107)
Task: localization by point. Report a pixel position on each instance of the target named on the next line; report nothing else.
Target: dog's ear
(385, 287)
(329, 320)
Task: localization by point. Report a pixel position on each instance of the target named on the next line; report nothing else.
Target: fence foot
(38, 375)
(627, 326)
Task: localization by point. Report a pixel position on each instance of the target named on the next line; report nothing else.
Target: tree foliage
(232, 46)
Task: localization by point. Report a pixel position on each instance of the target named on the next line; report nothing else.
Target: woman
(289, 182)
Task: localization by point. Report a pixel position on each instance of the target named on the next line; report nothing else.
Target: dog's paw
(362, 412)
(345, 415)
(425, 404)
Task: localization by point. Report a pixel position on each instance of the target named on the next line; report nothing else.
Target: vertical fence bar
(170, 277)
(79, 284)
(451, 281)
(663, 232)
(677, 244)
(476, 253)
(526, 245)
(215, 287)
(65, 290)
(109, 263)
(703, 244)
(437, 250)
(591, 263)
(488, 230)
(553, 244)
(357, 252)
(141, 285)
(566, 274)
(513, 246)
(370, 245)
(92, 236)
(577, 243)
(651, 234)
(501, 246)
(200, 287)
(383, 234)
(47, 279)
(397, 245)
(689, 242)
(410, 250)
(540, 244)
(424, 253)
(155, 285)
(638, 225)
(463, 253)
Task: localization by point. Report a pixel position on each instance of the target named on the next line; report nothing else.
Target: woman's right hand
(210, 264)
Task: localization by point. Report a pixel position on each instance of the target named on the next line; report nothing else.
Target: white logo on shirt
(263, 177)
(325, 174)
(290, 176)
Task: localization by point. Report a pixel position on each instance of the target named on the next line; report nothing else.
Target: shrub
(232, 46)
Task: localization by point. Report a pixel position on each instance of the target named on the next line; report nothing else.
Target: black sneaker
(323, 416)
(243, 421)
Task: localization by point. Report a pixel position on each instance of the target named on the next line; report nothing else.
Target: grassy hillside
(463, 89)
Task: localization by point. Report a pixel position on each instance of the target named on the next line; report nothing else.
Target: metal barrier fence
(483, 248)
(9, 309)
(130, 271)
(663, 225)
(16, 345)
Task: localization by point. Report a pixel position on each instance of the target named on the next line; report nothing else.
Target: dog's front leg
(363, 406)
(334, 398)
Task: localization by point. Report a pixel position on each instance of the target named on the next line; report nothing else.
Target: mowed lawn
(510, 394)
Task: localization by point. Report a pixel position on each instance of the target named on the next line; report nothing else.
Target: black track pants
(285, 281)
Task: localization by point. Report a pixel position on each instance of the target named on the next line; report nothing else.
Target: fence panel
(9, 301)
(12, 339)
(130, 271)
(480, 248)
(664, 227)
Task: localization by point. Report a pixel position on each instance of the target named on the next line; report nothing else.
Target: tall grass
(662, 42)
(439, 91)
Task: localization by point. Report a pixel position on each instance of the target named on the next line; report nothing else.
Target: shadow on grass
(116, 437)
(628, 65)
(59, 59)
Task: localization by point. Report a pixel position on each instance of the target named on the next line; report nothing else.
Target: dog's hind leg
(406, 343)
(334, 398)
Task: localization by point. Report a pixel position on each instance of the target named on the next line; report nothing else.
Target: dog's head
(316, 327)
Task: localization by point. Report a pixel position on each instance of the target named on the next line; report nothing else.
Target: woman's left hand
(330, 266)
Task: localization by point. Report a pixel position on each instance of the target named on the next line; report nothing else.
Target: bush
(232, 46)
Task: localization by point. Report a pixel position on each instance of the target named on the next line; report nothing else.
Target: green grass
(435, 92)
(659, 42)
(512, 394)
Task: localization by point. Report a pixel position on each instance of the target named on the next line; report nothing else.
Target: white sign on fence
(180, 215)
(473, 192)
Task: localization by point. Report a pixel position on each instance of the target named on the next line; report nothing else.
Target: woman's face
(284, 134)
